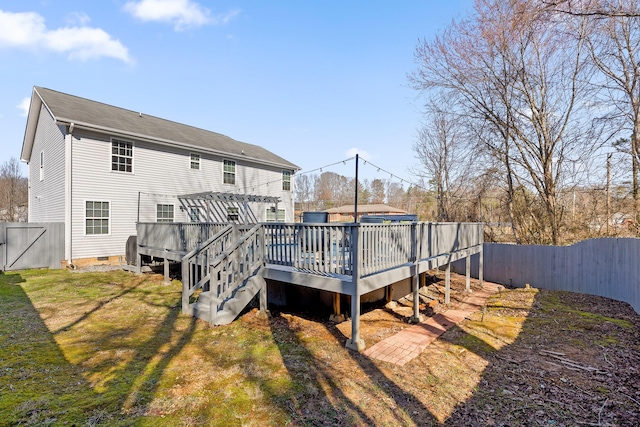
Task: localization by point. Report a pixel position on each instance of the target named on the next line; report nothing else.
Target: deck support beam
(337, 311)
(355, 343)
(167, 281)
(416, 318)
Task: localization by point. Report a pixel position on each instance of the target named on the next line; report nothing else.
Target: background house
(100, 169)
(345, 213)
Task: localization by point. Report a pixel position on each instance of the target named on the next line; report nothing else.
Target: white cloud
(27, 30)
(181, 13)
(24, 105)
(78, 18)
(351, 152)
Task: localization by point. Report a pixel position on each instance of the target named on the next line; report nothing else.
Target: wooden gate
(31, 245)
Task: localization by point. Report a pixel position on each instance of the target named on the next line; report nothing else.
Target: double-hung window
(229, 172)
(286, 180)
(195, 161)
(96, 217)
(164, 213)
(121, 156)
(271, 215)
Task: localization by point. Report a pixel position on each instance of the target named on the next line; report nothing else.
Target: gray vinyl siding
(46, 197)
(157, 171)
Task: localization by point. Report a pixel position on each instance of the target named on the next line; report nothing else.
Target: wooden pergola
(220, 207)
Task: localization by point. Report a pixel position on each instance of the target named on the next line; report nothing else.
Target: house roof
(84, 113)
(363, 209)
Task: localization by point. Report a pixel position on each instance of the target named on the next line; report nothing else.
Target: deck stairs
(225, 270)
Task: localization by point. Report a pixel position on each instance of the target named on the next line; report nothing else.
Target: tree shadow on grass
(523, 385)
(328, 392)
(34, 369)
(110, 368)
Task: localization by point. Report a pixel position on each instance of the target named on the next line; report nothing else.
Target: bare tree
(594, 8)
(521, 71)
(614, 44)
(444, 159)
(377, 191)
(304, 191)
(13, 192)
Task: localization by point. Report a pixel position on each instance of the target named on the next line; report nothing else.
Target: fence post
(355, 343)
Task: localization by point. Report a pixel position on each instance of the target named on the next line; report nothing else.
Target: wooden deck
(351, 259)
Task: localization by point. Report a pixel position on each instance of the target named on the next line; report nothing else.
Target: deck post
(416, 318)
(468, 272)
(355, 343)
(185, 287)
(447, 284)
(167, 281)
(415, 283)
(337, 315)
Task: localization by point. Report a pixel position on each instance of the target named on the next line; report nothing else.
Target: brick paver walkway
(411, 342)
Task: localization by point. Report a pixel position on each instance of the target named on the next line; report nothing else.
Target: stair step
(232, 306)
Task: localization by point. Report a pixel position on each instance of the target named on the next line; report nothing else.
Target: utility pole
(608, 190)
(355, 203)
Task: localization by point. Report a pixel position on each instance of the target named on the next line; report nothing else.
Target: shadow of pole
(320, 391)
(409, 403)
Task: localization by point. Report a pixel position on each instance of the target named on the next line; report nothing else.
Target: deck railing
(328, 248)
(321, 248)
(176, 236)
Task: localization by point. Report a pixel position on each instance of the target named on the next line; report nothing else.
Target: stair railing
(230, 269)
(196, 272)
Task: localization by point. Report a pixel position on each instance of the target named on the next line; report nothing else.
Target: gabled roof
(87, 114)
(362, 209)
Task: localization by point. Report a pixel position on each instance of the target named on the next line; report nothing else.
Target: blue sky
(312, 81)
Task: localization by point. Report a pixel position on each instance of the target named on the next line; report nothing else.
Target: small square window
(229, 170)
(233, 214)
(164, 213)
(195, 161)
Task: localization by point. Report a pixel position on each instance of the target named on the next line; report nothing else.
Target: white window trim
(133, 155)
(42, 166)
(173, 211)
(199, 161)
(84, 222)
(284, 215)
(235, 172)
(290, 180)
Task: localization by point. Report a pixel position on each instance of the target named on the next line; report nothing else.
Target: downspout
(68, 196)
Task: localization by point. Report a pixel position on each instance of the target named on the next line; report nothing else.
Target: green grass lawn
(113, 349)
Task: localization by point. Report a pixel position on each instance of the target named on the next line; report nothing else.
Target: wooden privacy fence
(31, 245)
(608, 267)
